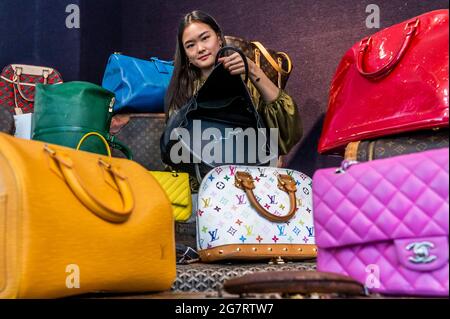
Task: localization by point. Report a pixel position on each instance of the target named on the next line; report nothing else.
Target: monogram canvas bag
(255, 213)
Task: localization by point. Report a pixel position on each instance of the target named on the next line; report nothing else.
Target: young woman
(199, 40)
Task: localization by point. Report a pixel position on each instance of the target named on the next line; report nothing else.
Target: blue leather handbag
(139, 85)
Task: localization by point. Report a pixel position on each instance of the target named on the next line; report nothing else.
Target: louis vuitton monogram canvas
(225, 215)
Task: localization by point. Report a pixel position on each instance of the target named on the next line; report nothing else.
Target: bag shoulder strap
(272, 62)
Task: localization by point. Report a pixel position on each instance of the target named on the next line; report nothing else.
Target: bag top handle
(244, 58)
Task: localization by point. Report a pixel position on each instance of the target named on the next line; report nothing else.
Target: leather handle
(286, 183)
(17, 83)
(272, 62)
(85, 136)
(67, 169)
(385, 70)
(116, 144)
(244, 58)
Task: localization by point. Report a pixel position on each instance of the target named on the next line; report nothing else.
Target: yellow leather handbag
(177, 187)
(74, 222)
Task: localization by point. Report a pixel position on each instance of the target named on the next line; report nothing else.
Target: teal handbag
(65, 113)
(139, 85)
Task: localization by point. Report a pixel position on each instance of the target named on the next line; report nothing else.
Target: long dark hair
(182, 85)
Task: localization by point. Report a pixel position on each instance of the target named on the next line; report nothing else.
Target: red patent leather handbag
(391, 82)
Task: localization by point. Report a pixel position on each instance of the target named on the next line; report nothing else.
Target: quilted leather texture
(365, 216)
(177, 188)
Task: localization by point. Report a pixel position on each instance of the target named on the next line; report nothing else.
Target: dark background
(315, 33)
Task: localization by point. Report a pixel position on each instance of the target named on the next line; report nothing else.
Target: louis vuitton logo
(290, 172)
(310, 231)
(272, 200)
(241, 199)
(213, 235)
(249, 230)
(206, 202)
(281, 229)
(262, 172)
(232, 170)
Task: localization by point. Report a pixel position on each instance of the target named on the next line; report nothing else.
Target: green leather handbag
(64, 113)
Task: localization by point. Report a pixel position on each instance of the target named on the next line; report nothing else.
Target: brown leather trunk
(413, 142)
(295, 282)
(141, 132)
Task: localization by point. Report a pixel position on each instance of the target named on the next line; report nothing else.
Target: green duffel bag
(66, 112)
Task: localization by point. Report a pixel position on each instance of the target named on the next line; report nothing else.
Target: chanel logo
(421, 252)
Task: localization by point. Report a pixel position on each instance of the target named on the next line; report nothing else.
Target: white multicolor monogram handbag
(255, 213)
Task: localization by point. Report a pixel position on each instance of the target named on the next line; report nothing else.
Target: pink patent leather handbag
(385, 223)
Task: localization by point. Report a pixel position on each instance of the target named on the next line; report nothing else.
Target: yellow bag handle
(85, 136)
(272, 62)
(66, 167)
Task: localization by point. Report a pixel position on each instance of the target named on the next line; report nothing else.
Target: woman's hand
(234, 63)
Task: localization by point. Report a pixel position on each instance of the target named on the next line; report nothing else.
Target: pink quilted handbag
(385, 223)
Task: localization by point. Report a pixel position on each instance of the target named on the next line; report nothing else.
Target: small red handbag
(18, 83)
(391, 82)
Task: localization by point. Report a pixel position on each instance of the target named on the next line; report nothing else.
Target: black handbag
(223, 104)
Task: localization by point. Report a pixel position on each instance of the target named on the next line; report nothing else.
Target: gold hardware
(300, 249)
(285, 249)
(238, 249)
(255, 249)
(111, 104)
(257, 58)
(276, 261)
(220, 252)
(269, 249)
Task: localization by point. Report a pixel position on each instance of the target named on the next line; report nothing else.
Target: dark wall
(34, 32)
(315, 33)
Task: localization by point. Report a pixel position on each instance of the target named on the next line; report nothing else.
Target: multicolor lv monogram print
(225, 214)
